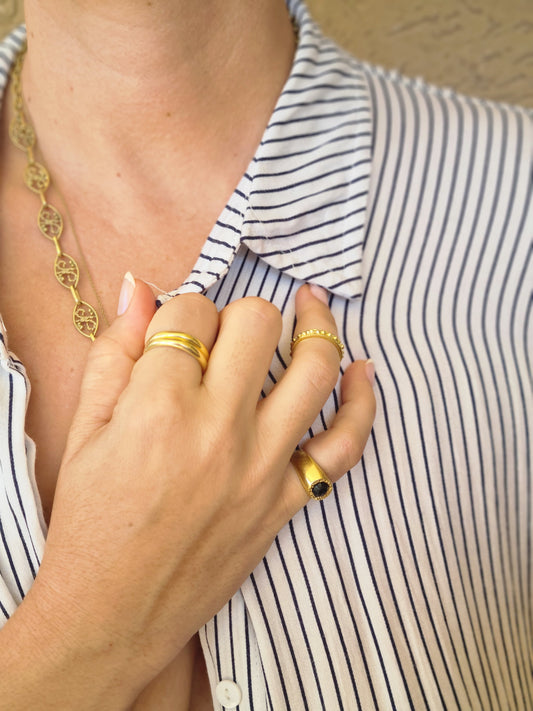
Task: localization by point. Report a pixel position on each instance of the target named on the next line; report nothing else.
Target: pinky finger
(339, 448)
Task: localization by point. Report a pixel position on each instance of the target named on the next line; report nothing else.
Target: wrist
(55, 658)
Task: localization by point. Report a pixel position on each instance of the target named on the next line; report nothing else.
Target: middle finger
(249, 333)
(296, 400)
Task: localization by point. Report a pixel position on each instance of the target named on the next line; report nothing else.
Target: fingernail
(370, 371)
(320, 293)
(126, 293)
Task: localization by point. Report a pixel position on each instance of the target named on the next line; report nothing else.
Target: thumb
(111, 360)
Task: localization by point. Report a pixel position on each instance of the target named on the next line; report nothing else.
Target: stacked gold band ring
(183, 341)
(318, 333)
(314, 479)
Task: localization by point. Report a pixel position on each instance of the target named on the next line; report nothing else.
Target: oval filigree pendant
(66, 270)
(50, 222)
(85, 319)
(21, 133)
(36, 177)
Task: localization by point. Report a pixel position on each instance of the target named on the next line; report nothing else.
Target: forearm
(52, 660)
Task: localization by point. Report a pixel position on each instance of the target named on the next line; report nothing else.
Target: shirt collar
(310, 176)
(301, 204)
(9, 47)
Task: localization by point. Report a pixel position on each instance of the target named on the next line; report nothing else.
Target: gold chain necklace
(49, 220)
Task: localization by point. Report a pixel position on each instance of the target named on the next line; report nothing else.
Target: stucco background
(481, 47)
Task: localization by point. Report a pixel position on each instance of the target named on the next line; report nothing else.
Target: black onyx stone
(320, 489)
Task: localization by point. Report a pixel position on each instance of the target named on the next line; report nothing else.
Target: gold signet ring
(182, 341)
(314, 479)
(318, 333)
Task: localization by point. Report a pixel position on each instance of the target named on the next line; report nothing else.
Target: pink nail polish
(370, 371)
(126, 293)
(319, 293)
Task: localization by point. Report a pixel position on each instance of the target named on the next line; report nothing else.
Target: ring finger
(192, 315)
(296, 400)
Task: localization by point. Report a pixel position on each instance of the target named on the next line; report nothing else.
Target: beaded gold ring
(318, 333)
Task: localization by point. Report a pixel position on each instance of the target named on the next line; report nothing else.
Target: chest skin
(37, 313)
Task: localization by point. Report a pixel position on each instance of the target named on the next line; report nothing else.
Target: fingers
(241, 340)
(110, 362)
(294, 403)
(249, 333)
(175, 369)
(339, 448)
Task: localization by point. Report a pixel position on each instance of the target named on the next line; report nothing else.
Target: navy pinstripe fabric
(411, 586)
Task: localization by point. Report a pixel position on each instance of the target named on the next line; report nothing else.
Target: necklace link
(49, 219)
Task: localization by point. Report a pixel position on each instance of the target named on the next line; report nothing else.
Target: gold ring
(318, 333)
(314, 479)
(182, 341)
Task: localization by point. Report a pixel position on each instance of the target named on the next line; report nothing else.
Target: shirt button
(228, 694)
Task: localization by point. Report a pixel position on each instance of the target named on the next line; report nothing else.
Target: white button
(228, 693)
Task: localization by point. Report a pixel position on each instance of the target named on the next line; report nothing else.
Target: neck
(144, 85)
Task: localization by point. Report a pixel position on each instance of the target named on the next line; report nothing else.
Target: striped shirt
(411, 586)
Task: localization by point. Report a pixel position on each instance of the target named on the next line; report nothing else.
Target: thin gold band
(183, 341)
(315, 481)
(318, 333)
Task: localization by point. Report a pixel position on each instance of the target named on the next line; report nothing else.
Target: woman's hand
(174, 485)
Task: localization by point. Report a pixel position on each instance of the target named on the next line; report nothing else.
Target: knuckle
(191, 301)
(349, 450)
(193, 307)
(323, 373)
(258, 309)
(102, 358)
(105, 347)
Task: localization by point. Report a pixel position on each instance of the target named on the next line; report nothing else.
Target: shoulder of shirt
(421, 86)
(393, 77)
(9, 47)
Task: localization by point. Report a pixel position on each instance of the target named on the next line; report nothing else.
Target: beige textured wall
(482, 47)
(10, 14)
